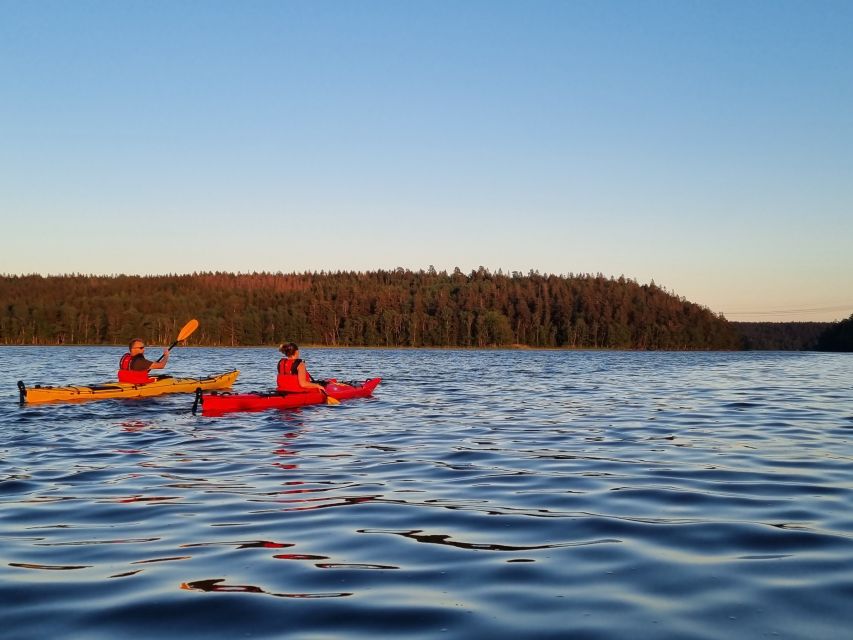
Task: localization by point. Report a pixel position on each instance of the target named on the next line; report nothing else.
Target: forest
(781, 336)
(396, 308)
(837, 337)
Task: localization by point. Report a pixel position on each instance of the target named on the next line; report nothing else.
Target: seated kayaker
(292, 375)
(134, 367)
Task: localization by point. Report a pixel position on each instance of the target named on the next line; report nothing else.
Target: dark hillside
(780, 336)
(837, 337)
(378, 308)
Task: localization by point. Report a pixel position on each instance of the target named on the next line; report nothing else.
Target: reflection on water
(26, 565)
(420, 536)
(216, 585)
(505, 494)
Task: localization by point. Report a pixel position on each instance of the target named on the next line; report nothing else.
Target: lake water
(496, 494)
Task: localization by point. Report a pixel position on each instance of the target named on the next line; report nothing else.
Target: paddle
(330, 399)
(185, 333)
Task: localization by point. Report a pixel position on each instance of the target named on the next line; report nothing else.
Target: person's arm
(302, 377)
(161, 363)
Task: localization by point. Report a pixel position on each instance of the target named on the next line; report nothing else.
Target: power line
(784, 312)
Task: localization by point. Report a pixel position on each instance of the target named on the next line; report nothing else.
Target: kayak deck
(162, 385)
(218, 403)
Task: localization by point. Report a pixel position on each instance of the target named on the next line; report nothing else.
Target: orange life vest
(288, 375)
(125, 374)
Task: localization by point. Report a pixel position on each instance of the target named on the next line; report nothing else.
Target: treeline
(378, 308)
(781, 336)
(837, 337)
(796, 336)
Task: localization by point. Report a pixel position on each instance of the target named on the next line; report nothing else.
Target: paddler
(134, 366)
(292, 375)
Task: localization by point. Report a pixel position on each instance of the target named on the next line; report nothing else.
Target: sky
(705, 146)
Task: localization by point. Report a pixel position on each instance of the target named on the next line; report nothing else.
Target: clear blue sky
(707, 146)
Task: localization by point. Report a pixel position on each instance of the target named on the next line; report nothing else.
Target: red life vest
(125, 374)
(288, 376)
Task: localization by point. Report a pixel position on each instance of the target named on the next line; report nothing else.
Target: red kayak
(219, 403)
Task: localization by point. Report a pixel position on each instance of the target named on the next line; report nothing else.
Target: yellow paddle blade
(188, 330)
(331, 400)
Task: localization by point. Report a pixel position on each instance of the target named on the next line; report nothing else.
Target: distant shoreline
(386, 348)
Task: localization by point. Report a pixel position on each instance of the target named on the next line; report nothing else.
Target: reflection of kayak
(163, 384)
(218, 403)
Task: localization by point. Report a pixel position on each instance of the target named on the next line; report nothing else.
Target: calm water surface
(502, 494)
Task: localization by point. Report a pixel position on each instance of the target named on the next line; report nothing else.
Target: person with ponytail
(292, 374)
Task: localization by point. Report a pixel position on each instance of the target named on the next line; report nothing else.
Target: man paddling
(134, 366)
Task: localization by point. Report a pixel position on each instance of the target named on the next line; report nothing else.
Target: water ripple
(500, 493)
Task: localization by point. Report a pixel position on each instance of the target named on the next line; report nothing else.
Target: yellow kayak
(163, 384)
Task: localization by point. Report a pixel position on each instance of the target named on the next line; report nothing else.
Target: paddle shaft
(171, 346)
(185, 333)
